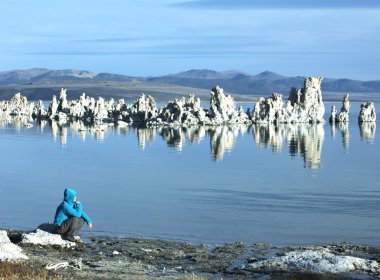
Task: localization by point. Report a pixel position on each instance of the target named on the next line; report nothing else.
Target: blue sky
(332, 38)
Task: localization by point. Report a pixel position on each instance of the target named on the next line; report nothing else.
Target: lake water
(296, 184)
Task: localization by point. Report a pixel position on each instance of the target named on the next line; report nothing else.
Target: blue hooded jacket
(68, 208)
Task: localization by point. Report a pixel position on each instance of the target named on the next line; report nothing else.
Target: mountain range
(41, 83)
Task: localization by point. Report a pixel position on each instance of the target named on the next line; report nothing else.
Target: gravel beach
(107, 257)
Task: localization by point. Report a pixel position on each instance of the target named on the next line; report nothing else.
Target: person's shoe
(77, 239)
(69, 238)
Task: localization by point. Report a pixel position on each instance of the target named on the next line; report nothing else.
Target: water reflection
(333, 130)
(367, 131)
(222, 138)
(343, 128)
(42, 126)
(145, 136)
(345, 132)
(176, 137)
(304, 140)
(60, 131)
(269, 136)
(18, 122)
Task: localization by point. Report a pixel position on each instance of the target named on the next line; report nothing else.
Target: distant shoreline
(162, 97)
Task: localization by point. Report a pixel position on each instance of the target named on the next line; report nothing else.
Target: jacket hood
(69, 195)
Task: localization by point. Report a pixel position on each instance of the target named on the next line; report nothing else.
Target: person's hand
(89, 226)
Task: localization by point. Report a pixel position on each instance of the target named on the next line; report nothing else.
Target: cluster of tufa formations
(303, 106)
(182, 112)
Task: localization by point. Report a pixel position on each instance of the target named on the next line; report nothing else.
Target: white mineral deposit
(8, 250)
(303, 106)
(367, 112)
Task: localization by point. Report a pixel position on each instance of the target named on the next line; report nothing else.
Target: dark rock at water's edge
(105, 257)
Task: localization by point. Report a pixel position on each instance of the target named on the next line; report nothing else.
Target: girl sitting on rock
(69, 217)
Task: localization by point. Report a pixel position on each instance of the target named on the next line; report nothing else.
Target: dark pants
(70, 227)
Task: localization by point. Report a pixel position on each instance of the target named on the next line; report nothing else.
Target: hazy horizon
(179, 72)
(336, 39)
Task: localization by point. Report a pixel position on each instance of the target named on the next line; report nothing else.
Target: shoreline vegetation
(107, 257)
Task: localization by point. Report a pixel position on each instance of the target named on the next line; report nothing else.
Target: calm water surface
(297, 184)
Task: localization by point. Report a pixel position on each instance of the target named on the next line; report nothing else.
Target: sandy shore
(105, 257)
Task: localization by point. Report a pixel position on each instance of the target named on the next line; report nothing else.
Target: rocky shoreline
(107, 257)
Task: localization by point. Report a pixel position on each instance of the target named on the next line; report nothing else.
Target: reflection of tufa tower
(343, 127)
(63, 135)
(173, 136)
(145, 136)
(333, 130)
(269, 136)
(222, 139)
(303, 139)
(194, 134)
(367, 131)
(312, 138)
(307, 140)
(176, 136)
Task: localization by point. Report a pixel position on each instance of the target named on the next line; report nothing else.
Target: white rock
(63, 105)
(44, 236)
(322, 261)
(17, 106)
(147, 250)
(343, 115)
(142, 110)
(39, 110)
(223, 109)
(61, 117)
(269, 110)
(367, 112)
(181, 111)
(8, 250)
(332, 118)
(303, 106)
(121, 123)
(53, 107)
(101, 109)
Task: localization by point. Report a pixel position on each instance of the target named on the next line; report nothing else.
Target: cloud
(108, 40)
(279, 4)
(200, 40)
(190, 52)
